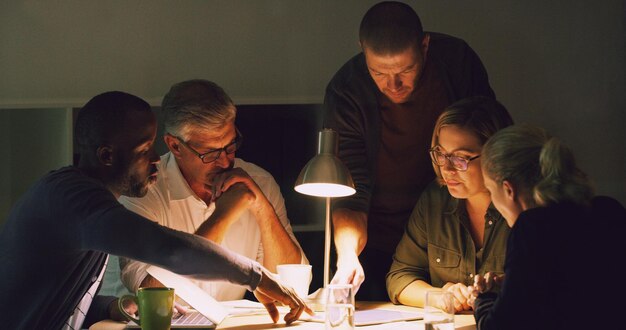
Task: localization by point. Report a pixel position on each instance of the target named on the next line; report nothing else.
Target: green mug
(155, 308)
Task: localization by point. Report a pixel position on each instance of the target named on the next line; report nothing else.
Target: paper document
(372, 316)
(247, 307)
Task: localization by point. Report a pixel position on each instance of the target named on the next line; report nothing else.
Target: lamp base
(317, 300)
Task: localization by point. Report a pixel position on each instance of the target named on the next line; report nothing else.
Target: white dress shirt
(171, 203)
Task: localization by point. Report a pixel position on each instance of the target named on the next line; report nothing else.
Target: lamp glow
(325, 176)
(325, 189)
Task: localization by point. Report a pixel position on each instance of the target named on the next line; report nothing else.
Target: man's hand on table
(129, 306)
(349, 271)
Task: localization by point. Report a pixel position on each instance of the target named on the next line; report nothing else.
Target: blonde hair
(542, 168)
(479, 114)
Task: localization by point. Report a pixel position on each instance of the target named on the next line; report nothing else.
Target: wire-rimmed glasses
(460, 163)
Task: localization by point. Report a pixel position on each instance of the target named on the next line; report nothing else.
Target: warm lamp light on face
(325, 176)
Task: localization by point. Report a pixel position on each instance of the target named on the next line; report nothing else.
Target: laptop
(207, 313)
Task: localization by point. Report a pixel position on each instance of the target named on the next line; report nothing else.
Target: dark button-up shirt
(437, 246)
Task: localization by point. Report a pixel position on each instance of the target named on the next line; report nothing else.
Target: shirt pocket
(444, 265)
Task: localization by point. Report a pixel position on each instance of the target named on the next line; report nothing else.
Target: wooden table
(261, 322)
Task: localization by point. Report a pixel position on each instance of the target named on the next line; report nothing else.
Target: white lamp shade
(325, 175)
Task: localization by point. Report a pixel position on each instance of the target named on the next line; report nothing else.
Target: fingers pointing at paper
(269, 291)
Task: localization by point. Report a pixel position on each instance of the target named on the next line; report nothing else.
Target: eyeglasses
(212, 155)
(458, 162)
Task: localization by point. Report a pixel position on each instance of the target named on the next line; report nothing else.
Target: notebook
(207, 313)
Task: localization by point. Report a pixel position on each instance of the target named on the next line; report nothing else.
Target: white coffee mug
(296, 276)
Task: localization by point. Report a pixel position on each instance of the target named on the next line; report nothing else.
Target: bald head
(102, 120)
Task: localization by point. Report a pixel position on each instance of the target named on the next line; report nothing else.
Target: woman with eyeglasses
(454, 231)
(564, 244)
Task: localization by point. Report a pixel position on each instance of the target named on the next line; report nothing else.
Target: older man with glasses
(203, 189)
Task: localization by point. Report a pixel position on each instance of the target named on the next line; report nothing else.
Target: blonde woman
(564, 242)
(454, 232)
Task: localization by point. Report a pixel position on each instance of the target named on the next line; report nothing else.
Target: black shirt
(560, 270)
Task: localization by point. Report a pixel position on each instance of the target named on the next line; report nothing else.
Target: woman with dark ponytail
(562, 237)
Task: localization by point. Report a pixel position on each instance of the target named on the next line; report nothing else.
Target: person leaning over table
(563, 242)
(204, 189)
(55, 243)
(383, 103)
(454, 231)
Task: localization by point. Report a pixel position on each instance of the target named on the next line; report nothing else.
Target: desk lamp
(325, 176)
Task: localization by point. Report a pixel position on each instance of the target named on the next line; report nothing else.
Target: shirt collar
(494, 214)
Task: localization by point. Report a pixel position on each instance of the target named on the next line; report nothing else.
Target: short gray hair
(196, 104)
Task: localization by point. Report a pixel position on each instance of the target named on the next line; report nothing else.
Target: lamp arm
(327, 244)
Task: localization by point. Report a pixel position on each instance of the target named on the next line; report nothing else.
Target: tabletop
(263, 321)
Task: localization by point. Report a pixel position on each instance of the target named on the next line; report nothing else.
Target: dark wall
(282, 139)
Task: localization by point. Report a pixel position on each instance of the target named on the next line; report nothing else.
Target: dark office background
(558, 64)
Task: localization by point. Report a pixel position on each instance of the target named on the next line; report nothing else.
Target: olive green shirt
(437, 246)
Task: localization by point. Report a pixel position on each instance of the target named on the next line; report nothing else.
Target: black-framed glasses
(212, 155)
(460, 163)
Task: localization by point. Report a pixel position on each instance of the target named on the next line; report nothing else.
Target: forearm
(151, 282)
(216, 226)
(414, 294)
(229, 207)
(185, 254)
(279, 247)
(350, 229)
